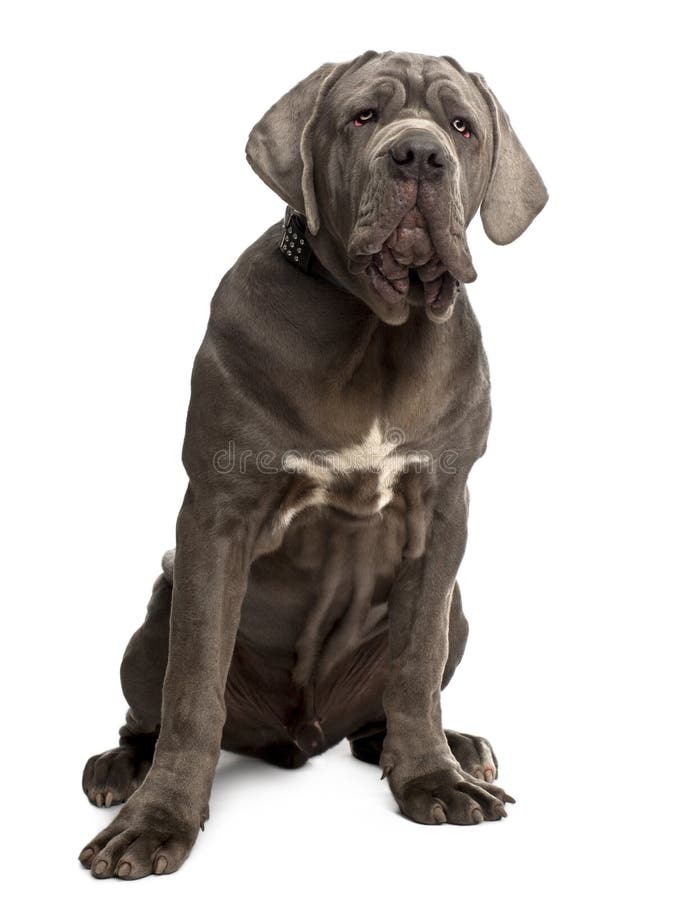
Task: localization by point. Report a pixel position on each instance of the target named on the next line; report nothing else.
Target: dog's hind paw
(474, 754)
(112, 777)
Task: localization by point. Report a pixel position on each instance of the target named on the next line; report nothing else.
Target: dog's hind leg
(112, 777)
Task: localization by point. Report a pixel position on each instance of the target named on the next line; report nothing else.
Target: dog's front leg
(157, 827)
(427, 781)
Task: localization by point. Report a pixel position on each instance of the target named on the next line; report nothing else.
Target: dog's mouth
(407, 268)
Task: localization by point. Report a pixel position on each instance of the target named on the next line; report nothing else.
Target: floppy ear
(279, 148)
(515, 193)
(274, 146)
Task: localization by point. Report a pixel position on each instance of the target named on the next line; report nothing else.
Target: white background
(125, 196)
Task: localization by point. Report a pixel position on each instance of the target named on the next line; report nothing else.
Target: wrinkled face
(402, 157)
(389, 156)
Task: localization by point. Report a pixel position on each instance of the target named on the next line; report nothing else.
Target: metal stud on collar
(294, 243)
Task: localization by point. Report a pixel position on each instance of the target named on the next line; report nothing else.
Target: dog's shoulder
(247, 287)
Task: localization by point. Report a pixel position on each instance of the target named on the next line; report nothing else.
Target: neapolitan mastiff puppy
(339, 400)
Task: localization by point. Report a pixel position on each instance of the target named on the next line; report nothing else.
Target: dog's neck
(296, 248)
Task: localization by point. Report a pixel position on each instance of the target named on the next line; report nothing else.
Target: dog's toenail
(99, 799)
(160, 865)
(488, 774)
(100, 867)
(476, 816)
(86, 854)
(438, 814)
(124, 869)
(109, 797)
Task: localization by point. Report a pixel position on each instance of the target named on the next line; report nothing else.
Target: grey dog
(339, 399)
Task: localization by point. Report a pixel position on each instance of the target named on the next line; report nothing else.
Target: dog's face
(389, 157)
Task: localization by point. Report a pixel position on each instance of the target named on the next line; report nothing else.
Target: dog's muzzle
(409, 240)
(407, 257)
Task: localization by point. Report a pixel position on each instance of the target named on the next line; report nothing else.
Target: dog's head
(389, 156)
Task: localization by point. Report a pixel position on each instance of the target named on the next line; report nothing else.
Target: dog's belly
(323, 591)
(319, 587)
(325, 588)
(314, 626)
(312, 645)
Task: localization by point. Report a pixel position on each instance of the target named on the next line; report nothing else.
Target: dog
(339, 399)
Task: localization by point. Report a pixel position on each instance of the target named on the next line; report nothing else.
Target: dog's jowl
(339, 400)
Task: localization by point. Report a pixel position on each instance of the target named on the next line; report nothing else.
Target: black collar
(294, 243)
(295, 248)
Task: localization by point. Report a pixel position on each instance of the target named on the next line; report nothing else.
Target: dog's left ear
(515, 193)
(279, 148)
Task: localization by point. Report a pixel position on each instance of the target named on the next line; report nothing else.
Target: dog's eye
(365, 116)
(462, 126)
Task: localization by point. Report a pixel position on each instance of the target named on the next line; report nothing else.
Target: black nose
(418, 155)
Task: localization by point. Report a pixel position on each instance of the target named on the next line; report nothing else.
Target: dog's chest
(359, 479)
(349, 519)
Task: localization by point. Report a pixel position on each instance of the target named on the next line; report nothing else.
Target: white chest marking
(377, 453)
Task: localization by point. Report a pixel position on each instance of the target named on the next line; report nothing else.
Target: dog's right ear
(274, 146)
(279, 146)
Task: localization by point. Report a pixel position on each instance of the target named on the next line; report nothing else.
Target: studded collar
(295, 247)
(294, 242)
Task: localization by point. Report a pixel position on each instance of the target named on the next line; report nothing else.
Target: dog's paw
(474, 754)
(451, 795)
(141, 841)
(112, 777)
(433, 788)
